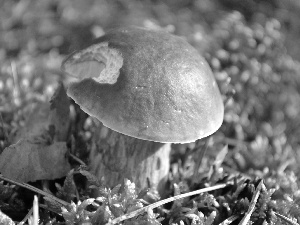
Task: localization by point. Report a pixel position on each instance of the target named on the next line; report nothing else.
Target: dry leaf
(29, 161)
(36, 123)
(45, 115)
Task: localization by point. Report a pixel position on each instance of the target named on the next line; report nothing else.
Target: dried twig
(77, 159)
(35, 215)
(288, 220)
(248, 214)
(26, 217)
(229, 220)
(34, 189)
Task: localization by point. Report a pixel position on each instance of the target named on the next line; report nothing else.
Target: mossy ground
(253, 50)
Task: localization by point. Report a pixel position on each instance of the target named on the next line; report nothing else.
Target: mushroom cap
(147, 84)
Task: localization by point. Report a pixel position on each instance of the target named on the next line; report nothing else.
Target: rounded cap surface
(146, 84)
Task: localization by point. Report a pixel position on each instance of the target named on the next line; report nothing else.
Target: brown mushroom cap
(146, 84)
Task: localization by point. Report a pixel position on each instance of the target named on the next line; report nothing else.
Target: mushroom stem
(117, 156)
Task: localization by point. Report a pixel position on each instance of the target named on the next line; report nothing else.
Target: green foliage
(286, 201)
(67, 191)
(264, 206)
(122, 200)
(78, 214)
(4, 219)
(110, 204)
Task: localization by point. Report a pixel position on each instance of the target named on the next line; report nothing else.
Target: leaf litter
(39, 150)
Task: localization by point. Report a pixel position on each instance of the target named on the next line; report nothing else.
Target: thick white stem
(117, 156)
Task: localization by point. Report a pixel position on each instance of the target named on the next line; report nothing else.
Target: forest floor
(252, 161)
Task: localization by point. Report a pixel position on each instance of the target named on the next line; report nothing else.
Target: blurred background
(252, 47)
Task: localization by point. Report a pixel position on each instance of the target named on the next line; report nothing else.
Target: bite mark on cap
(99, 62)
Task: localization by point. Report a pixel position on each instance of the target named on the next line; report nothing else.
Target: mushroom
(148, 89)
